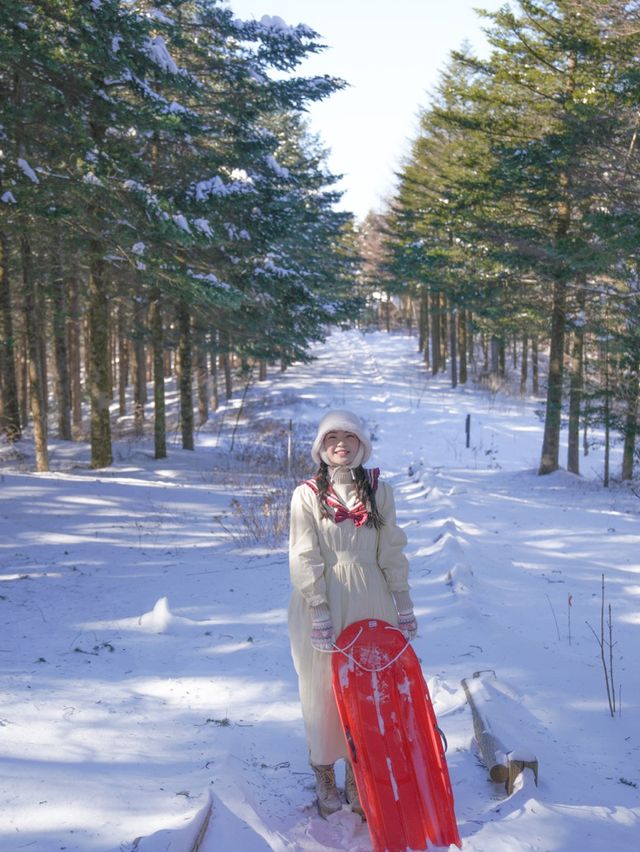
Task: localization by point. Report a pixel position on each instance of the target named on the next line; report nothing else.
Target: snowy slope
(149, 701)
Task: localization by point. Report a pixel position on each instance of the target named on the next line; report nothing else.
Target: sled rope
(389, 663)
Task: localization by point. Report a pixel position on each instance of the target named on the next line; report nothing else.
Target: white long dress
(352, 569)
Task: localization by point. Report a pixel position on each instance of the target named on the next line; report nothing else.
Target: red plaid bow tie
(358, 515)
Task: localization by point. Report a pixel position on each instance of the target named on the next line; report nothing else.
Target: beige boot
(351, 790)
(329, 800)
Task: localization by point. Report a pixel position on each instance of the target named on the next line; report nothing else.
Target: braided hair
(365, 493)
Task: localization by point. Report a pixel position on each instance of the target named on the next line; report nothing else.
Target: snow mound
(449, 546)
(460, 578)
(445, 697)
(341, 830)
(434, 493)
(188, 837)
(161, 620)
(239, 821)
(450, 527)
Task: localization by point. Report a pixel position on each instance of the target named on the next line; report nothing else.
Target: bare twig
(607, 666)
(553, 612)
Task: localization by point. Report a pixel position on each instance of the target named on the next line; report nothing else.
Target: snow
(274, 165)
(203, 226)
(176, 108)
(375, 692)
(181, 222)
(148, 692)
(270, 267)
(204, 189)
(27, 170)
(210, 278)
(158, 15)
(92, 179)
(274, 22)
(392, 780)
(157, 49)
(8, 197)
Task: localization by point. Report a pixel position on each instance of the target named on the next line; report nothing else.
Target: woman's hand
(406, 619)
(407, 624)
(323, 636)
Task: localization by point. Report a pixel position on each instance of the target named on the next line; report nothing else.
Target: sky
(391, 55)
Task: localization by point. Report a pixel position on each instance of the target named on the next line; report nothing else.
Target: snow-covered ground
(148, 698)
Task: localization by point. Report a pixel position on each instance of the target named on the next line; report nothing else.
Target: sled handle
(443, 738)
(352, 745)
(344, 650)
(335, 647)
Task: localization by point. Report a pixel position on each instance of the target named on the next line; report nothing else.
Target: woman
(346, 564)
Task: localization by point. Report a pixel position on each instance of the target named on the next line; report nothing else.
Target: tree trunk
(631, 419)
(157, 344)
(425, 330)
(444, 331)
(495, 355)
(262, 371)
(23, 378)
(462, 345)
(553, 413)
(41, 324)
(203, 382)
(139, 365)
(524, 365)
(576, 391)
(485, 352)
(453, 345)
(226, 364)
(436, 347)
(60, 311)
(213, 368)
(185, 375)
(98, 361)
(10, 403)
(75, 357)
(535, 367)
(34, 335)
(607, 414)
(471, 355)
(123, 359)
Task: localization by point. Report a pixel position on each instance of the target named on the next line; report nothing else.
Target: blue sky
(391, 54)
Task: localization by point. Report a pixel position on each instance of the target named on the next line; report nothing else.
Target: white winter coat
(352, 569)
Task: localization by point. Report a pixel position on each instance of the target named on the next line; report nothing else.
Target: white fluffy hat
(345, 421)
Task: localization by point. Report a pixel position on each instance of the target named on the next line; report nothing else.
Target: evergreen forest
(165, 211)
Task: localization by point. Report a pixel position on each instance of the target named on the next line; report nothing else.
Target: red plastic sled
(396, 750)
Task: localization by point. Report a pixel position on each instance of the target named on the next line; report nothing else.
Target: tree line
(163, 210)
(517, 216)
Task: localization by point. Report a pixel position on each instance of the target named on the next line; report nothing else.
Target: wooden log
(495, 721)
(492, 750)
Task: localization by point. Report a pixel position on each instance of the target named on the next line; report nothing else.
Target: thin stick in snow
(553, 612)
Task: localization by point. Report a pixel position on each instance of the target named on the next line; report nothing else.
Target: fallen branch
(490, 704)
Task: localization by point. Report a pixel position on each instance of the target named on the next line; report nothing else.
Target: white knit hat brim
(345, 421)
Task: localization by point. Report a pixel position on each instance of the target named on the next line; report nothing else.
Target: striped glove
(323, 636)
(407, 624)
(406, 619)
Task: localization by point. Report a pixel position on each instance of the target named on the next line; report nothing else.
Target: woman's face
(340, 447)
